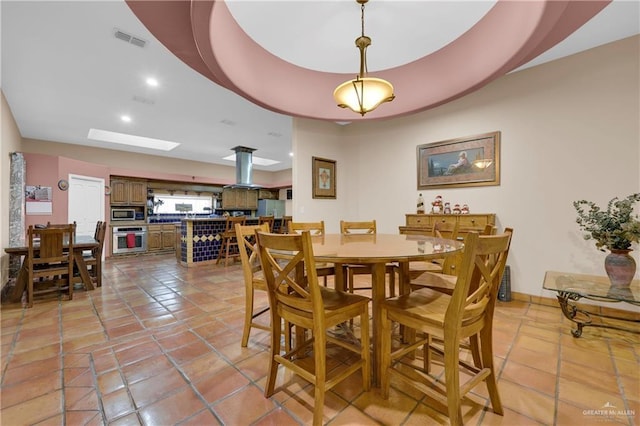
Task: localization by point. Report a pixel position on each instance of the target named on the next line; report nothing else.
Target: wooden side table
(573, 287)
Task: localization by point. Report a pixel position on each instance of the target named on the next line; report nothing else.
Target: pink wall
(46, 170)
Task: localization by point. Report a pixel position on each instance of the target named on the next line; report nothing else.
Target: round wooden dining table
(376, 251)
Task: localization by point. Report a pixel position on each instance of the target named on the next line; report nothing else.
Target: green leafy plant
(615, 228)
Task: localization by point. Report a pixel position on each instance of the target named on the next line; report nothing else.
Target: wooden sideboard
(423, 223)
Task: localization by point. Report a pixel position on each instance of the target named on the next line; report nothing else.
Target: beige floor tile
(34, 410)
(243, 407)
(588, 397)
(527, 402)
(159, 335)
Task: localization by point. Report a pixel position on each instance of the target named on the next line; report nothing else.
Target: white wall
(570, 131)
(10, 142)
(319, 139)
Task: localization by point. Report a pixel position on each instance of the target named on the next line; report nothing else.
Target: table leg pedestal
(583, 318)
(15, 295)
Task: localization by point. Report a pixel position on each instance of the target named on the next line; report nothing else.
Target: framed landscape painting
(462, 162)
(324, 178)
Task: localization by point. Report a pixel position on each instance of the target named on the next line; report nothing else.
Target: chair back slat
(446, 230)
(231, 222)
(248, 249)
(292, 282)
(362, 227)
(269, 220)
(483, 263)
(50, 245)
(314, 228)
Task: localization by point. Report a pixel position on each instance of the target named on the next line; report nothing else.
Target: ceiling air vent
(136, 41)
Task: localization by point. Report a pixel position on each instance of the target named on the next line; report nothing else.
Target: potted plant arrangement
(614, 229)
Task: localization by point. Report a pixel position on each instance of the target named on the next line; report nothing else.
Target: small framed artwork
(462, 162)
(324, 178)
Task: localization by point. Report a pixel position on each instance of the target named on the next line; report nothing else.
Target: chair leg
(320, 355)
(227, 252)
(385, 356)
(452, 380)
(486, 352)
(474, 346)
(392, 281)
(248, 317)
(275, 350)
(30, 293)
(426, 355)
(364, 344)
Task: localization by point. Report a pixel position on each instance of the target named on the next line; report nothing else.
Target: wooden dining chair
(229, 248)
(451, 318)
(316, 229)
(269, 220)
(253, 277)
(94, 258)
(296, 298)
(63, 225)
(49, 261)
(284, 224)
(446, 281)
(440, 230)
(365, 228)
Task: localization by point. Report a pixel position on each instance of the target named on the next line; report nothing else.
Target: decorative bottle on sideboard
(420, 204)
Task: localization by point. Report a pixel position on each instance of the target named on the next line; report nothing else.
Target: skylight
(131, 140)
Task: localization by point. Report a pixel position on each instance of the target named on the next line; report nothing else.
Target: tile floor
(159, 344)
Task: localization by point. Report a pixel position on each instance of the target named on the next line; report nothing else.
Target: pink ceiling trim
(205, 36)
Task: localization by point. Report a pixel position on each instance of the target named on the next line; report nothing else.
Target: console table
(422, 224)
(573, 287)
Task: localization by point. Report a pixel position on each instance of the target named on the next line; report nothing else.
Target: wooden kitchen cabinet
(423, 223)
(126, 192)
(161, 237)
(266, 194)
(240, 199)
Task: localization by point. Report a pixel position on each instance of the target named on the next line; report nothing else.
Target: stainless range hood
(244, 168)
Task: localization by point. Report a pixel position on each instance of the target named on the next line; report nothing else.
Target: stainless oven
(129, 239)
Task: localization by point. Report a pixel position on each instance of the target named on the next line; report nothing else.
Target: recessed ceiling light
(132, 140)
(125, 118)
(152, 82)
(255, 160)
(291, 154)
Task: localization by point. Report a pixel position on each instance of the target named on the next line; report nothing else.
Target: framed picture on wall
(324, 178)
(468, 161)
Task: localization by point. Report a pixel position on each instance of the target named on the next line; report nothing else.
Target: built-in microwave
(123, 214)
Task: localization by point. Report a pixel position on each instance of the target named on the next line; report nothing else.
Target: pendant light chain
(364, 53)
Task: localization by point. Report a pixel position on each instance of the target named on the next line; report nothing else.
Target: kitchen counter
(199, 239)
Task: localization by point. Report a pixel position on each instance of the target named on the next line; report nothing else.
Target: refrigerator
(273, 208)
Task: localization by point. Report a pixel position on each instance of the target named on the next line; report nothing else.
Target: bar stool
(229, 243)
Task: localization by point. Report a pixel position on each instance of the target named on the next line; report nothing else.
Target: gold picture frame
(461, 162)
(324, 178)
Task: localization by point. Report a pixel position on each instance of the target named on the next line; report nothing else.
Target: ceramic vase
(620, 267)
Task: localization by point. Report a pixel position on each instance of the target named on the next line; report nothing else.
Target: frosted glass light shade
(363, 94)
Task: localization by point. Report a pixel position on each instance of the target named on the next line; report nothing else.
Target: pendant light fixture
(363, 94)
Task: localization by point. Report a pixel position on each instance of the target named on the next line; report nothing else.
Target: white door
(86, 203)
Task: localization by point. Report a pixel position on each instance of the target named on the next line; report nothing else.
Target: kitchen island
(199, 239)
